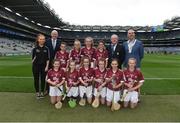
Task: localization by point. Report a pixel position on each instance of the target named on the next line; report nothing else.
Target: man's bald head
(54, 34)
(114, 39)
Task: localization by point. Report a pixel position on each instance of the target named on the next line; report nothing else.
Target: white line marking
(16, 77)
(29, 77)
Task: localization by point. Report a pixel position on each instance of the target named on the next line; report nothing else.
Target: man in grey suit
(133, 49)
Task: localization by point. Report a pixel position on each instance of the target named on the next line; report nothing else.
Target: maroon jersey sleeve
(48, 74)
(140, 77)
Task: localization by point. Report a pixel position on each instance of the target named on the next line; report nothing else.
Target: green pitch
(160, 95)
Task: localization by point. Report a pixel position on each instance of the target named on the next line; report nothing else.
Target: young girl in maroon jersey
(63, 56)
(114, 79)
(99, 79)
(133, 81)
(89, 50)
(72, 81)
(56, 78)
(101, 52)
(86, 75)
(75, 53)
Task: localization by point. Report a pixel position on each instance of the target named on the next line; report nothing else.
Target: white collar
(53, 40)
(134, 41)
(114, 45)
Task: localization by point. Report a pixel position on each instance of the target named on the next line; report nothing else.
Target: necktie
(54, 44)
(112, 49)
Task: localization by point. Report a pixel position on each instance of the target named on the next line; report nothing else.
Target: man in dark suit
(115, 51)
(53, 44)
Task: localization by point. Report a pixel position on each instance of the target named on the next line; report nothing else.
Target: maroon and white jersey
(133, 78)
(55, 76)
(75, 56)
(99, 54)
(86, 74)
(99, 75)
(72, 77)
(88, 52)
(63, 58)
(117, 79)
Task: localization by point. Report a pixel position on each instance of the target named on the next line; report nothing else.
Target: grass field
(160, 95)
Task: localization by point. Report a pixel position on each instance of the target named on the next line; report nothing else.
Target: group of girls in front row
(84, 74)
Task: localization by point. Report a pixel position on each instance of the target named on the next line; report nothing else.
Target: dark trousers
(39, 75)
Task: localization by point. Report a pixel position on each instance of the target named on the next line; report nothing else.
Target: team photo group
(108, 74)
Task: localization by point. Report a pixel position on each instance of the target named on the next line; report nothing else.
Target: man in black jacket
(115, 51)
(53, 44)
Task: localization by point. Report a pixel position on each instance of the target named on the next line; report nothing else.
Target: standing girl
(75, 53)
(101, 52)
(89, 50)
(40, 62)
(63, 56)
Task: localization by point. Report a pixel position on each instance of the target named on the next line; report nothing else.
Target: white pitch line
(29, 77)
(162, 78)
(16, 77)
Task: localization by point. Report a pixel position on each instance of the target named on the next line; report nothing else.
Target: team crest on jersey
(37, 50)
(70, 80)
(55, 79)
(130, 80)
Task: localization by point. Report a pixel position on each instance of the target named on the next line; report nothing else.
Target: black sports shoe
(41, 96)
(37, 96)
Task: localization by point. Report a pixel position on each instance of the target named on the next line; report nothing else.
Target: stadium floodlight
(8, 9)
(39, 24)
(176, 29)
(67, 29)
(56, 28)
(47, 27)
(122, 30)
(104, 30)
(113, 30)
(141, 31)
(32, 21)
(19, 14)
(26, 18)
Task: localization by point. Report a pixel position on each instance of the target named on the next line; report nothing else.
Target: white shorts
(85, 90)
(102, 92)
(54, 91)
(132, 97)
(109, 95)
(73, 92)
